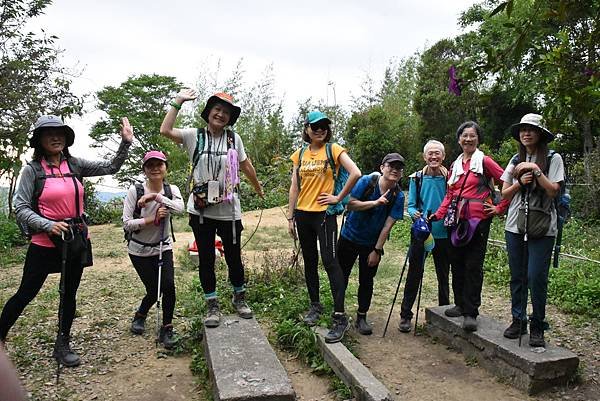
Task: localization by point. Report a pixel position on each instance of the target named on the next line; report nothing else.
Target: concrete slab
(242, 364)
(365, 387)
(529, 369)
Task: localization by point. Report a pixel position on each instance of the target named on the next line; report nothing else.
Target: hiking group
(451, 207)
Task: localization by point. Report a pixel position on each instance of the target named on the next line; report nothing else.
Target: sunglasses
(319, 126)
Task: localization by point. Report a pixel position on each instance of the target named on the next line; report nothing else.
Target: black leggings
(39, 262)
(348, 251)
(147, 268)
(204, 234)
(312, 226)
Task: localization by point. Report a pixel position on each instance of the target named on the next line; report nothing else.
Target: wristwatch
(379, 251)
(537, 173)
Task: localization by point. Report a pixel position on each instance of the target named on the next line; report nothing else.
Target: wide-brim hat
(50, 121)
(534, 120)
(462, 234)
(154, 154)
(222, 97)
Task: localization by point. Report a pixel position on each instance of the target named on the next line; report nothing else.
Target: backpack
(339, 180)
(39, 183)
(199, 150)
(137, 213)
(535, 212)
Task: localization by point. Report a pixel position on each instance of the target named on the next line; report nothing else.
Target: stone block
(524, 367)
(242, 364)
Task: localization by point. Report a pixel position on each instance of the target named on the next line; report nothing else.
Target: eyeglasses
(395, 166)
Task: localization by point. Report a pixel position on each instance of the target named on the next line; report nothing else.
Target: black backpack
(370, 189)
(137, 213)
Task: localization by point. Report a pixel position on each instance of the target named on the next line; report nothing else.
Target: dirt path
(119, 366)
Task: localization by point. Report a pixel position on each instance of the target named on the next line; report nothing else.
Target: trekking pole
(61, 292)
(396, 294)
(525, 264)
(160, 265)
(419, 297)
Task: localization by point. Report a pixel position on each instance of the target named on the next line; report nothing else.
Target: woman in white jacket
(147, 224)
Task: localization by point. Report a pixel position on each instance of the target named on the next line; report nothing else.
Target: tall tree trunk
(588, 147)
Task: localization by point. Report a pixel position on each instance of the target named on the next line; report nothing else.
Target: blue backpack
(339, 180)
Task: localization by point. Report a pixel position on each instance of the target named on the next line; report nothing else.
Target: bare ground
(118, 365)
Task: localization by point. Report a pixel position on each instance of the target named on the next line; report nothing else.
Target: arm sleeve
(22, 201)
(412, 196)
(441, 212)
(492, 169)
(176, 204)
(295, 156)
(359, 187)
(337, 150)
(556, 172)
(129, 223)
(239, 146)
(105, 167)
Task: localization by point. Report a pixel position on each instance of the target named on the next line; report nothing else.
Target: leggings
(313, 226)
(204, 234)
(147, 268)
(39, 262)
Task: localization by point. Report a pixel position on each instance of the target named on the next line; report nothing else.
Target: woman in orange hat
(217, 154)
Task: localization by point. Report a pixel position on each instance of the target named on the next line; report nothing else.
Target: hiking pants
(529, 263)
(467, 270)
(204, 234)
(147, 268)
(313, 226)
(347, 252)
(415, 274)
(39, 262)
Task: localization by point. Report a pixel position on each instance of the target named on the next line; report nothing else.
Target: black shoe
(314, 313)
(63, 352)
(339, 328)
(138, 323)
(404, 326)
(517, 326)
(470, 323)
(167, 337)
(536, 338)
(455, 311)
(362, 325)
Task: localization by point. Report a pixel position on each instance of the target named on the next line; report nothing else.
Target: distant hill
(107, 196)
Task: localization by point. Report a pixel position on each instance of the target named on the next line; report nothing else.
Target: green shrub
(10, 235)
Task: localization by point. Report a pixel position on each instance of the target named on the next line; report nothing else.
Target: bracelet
(379, 251)
(175, 105)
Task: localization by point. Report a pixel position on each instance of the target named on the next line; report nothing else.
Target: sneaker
(362, 325)
(536, 338)
(213, 314)
(314, 314)
(63, 352)
(517, 326)
(240, 305)
(339, 328)
(470, 323)
(405, 325)
(138, 323)
(455, 311)
(167, 337)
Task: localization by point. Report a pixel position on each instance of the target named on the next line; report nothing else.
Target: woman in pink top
(469, 182)
(49, 205)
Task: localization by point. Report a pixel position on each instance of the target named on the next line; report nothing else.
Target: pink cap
(154, 154)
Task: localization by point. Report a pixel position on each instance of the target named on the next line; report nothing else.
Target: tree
(143, 99)
(32, 83)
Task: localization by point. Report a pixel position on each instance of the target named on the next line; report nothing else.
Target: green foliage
(99, 212)
(11, 242)
(585, 197)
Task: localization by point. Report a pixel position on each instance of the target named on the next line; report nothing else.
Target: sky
(319, 49)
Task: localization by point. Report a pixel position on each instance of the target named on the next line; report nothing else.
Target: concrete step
(364, 386)
(529, 369)
(242, 364)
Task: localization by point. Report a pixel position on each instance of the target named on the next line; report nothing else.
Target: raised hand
(186, 94)
(126, 130)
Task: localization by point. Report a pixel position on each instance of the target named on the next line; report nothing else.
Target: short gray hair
(433, 142)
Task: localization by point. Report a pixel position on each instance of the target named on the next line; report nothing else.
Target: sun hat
(154, 154)
(221, 97)
(316, 116)
(50, 121)
(463, 232)
(393, 157)
(420, 229)
(534, 120)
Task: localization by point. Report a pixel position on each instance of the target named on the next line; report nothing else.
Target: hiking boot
(339, 328)
(167, 337)
(63, 352)
(404, 326)
(455, 311)
(138, 323)
(314, 314)
(240, 305)
(536, 338)
(213, 313)
(362, 325)
(470, 323)
(517, 327)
